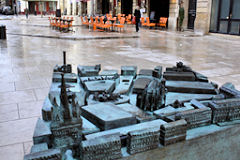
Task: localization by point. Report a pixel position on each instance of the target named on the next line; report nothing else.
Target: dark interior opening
(126, 6)
(31, 6)
(160, 7)
(105, 6)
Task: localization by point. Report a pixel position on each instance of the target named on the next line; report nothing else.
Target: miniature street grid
(95, 114)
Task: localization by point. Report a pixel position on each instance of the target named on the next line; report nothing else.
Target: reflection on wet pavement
(26, 65)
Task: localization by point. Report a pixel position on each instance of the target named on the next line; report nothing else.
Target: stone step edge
(75, 38)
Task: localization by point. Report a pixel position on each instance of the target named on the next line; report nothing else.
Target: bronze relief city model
(103, 115)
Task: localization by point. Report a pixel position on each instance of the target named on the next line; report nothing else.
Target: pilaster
(173, 14)
(203, 13)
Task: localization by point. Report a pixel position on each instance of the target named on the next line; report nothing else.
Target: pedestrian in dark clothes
(26, 12)
(137, 15)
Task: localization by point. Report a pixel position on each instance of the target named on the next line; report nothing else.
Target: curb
(75, 38)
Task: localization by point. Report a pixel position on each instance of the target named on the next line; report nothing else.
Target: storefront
(225, 17)
(39, 7)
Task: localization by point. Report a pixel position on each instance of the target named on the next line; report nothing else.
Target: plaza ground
(28, 56)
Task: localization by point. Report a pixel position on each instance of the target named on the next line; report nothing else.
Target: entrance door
(126, 6)
(229, 17)
(191, 13)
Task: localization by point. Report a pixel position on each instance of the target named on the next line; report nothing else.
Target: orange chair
(58, 23)
(163, 22)
(103, 26)
(86, 21)
(143, 21)
(83, 22)
(129, 19)
(95, 23)
(148, 24)
(107, 25)
(70, 24)
(64, 26)
(50, 21)
(119, 17)
(91, 20)
(100, 23)
(121, 25)
(54, 22)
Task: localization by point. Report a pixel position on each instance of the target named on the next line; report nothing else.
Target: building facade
(37, 6)
(225, 17)
(201, 16)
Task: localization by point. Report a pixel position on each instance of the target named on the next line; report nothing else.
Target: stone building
(37, 6)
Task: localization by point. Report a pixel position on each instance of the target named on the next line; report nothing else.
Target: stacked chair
(97, 23)
(56, 23)
(121, 25)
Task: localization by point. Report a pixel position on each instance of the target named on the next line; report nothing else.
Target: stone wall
(173, 14)
(202, 21)
(220, 145)
(185, 20)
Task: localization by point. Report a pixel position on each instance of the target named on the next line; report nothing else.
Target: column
(134, 5)
(89, 7)
(95, 5)
(118, 7)
(80, 8)
(111, 6)
(74, 7)
(173, 14)
(68, 7)
(203, 13)
(185, 20)
(58, 4)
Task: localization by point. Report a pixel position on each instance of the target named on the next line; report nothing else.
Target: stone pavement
(26, 64)
(36, 26)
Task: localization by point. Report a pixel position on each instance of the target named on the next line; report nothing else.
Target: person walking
(26, 12)
(137, 15)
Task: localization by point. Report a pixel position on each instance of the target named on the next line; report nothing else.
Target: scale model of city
(103, 115)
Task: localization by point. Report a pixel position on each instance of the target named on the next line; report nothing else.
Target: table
(68, 22)
(112, 21)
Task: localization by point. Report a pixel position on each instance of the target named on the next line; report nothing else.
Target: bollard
(3, 32)
(64, 57)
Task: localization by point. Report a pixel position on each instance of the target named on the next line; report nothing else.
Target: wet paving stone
(26, 64)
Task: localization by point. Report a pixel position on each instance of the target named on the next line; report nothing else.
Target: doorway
(77, 5)
(160, 8)
(126, 6)
(105, 6)
(31, 6)
(192, 13)
(225, 17)
(229, 17)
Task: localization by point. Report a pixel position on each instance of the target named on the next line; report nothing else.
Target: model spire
(64, 100)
